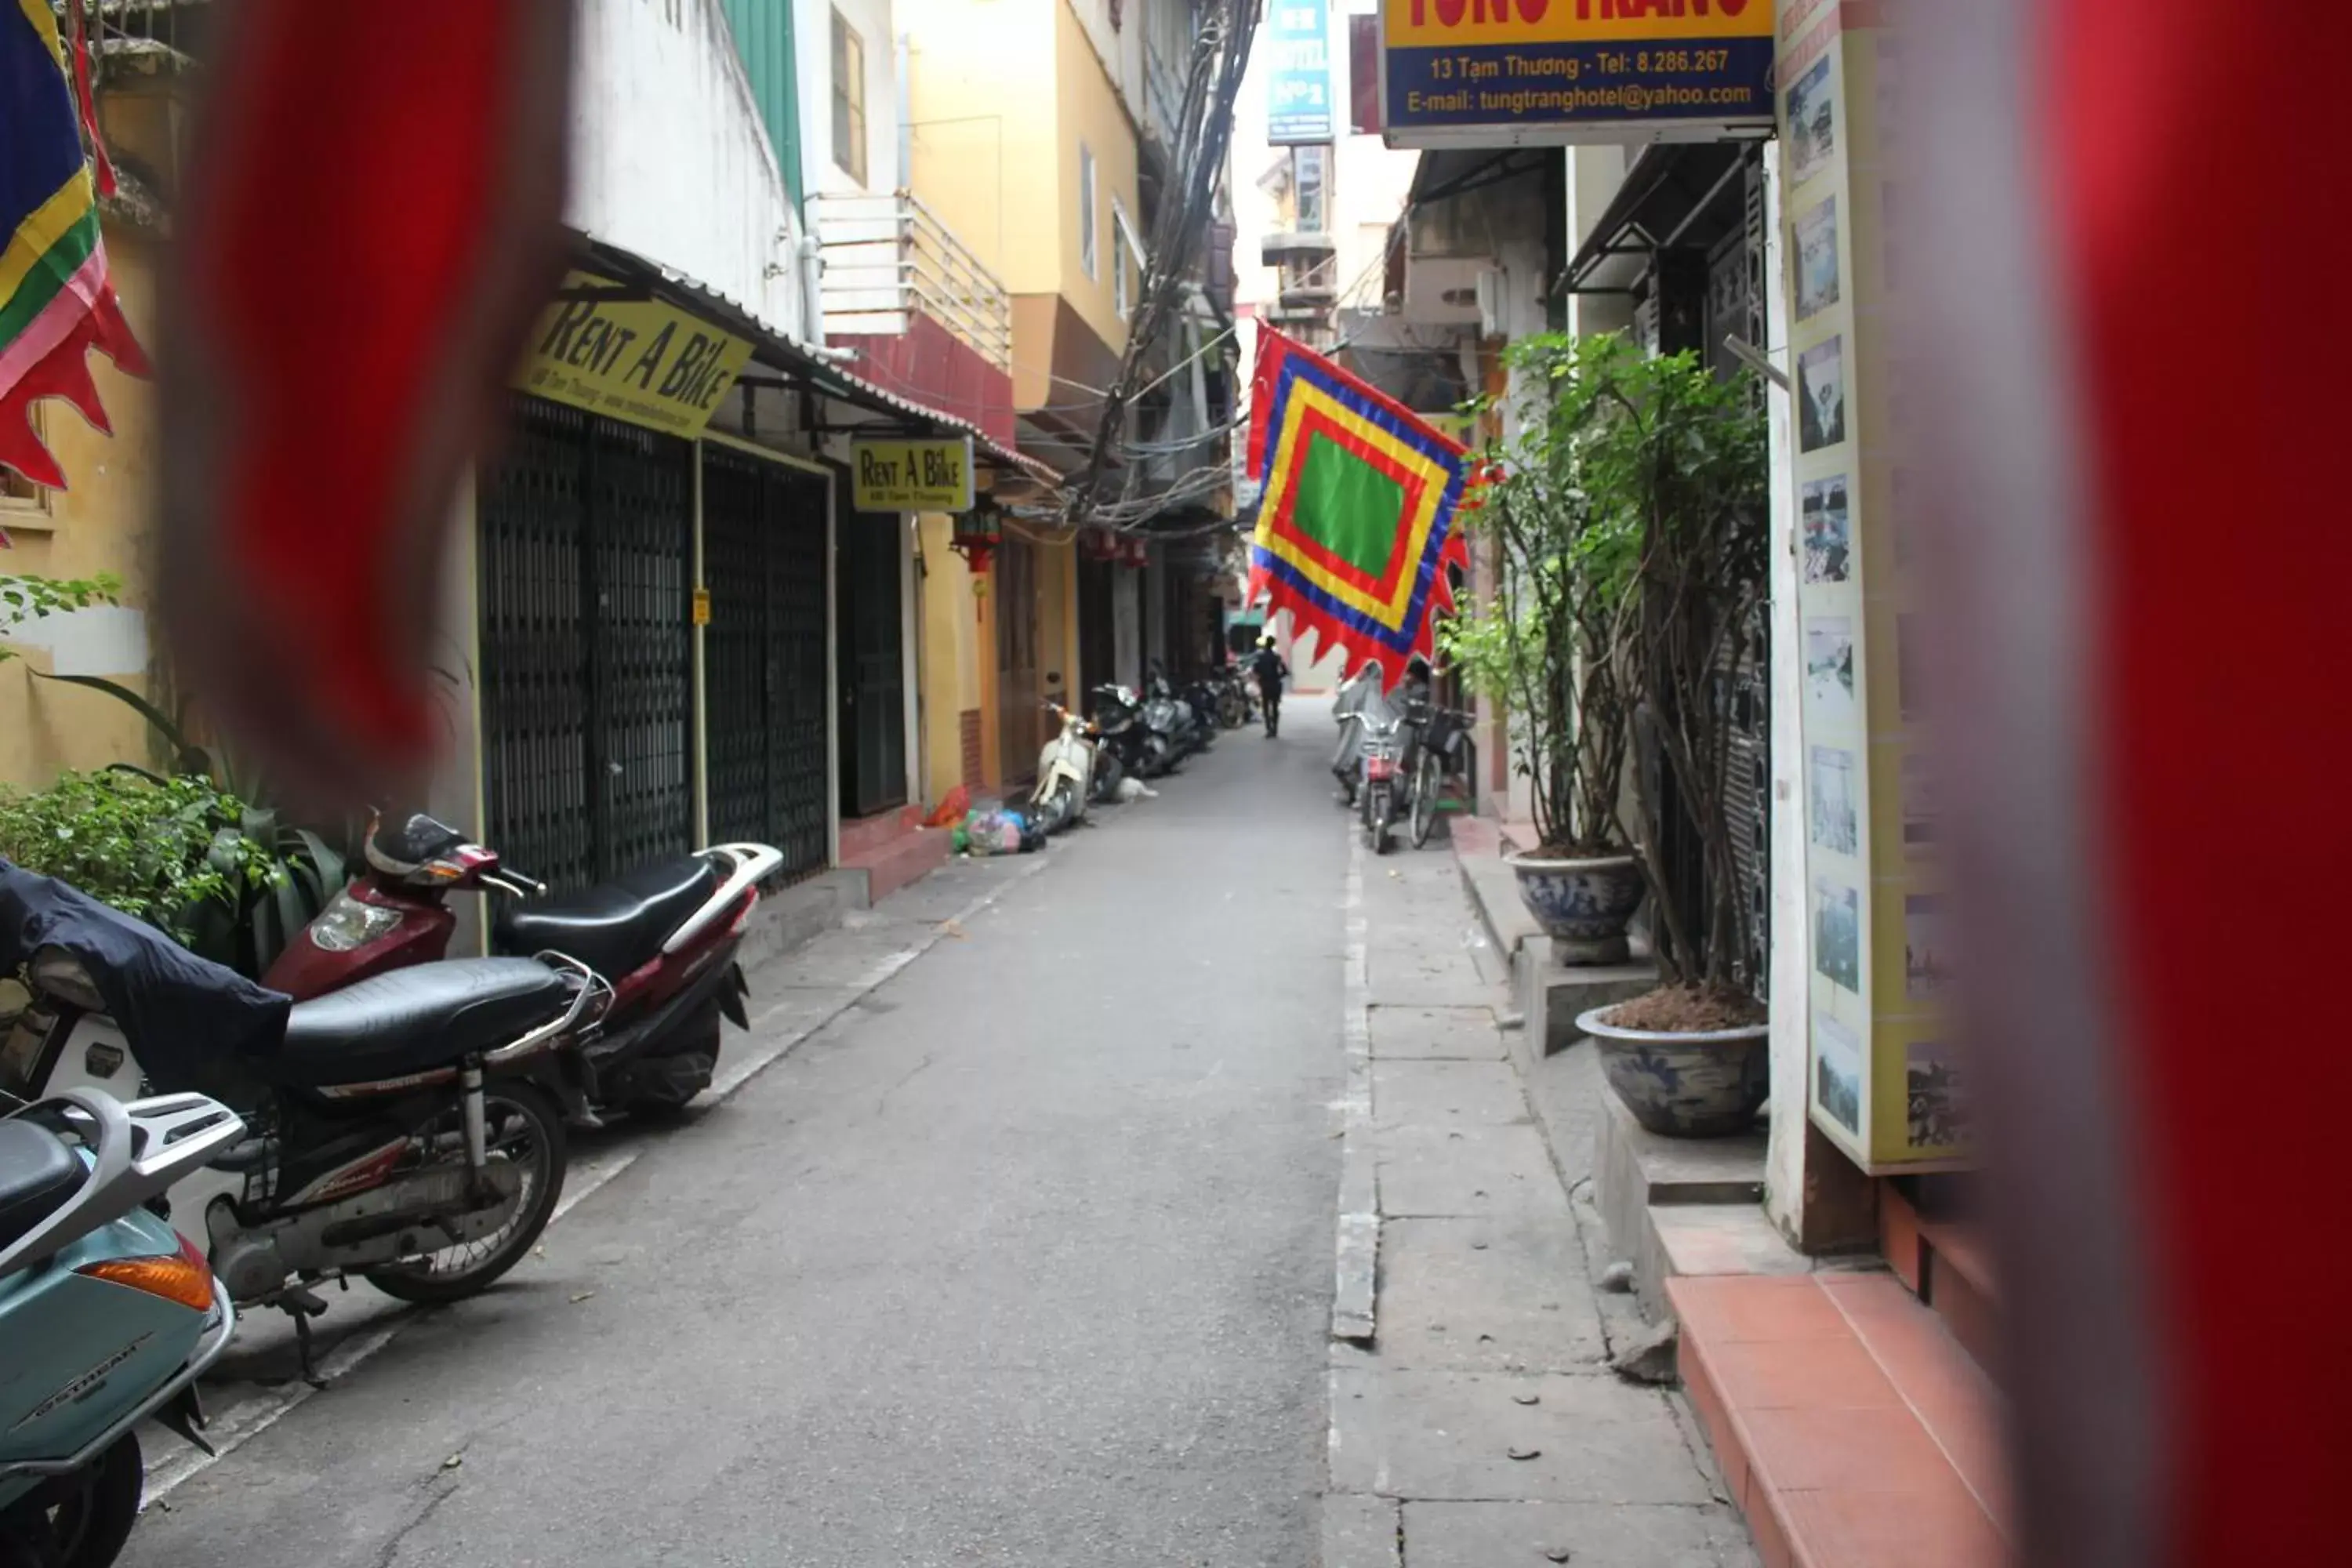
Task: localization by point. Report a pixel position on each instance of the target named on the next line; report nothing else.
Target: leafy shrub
(180, 853)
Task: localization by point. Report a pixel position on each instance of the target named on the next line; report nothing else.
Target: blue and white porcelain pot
(1582, 905)
(1698, 1085)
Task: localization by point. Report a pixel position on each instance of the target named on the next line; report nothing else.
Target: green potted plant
(191, 853)
(1546, 648)
(1679, 458)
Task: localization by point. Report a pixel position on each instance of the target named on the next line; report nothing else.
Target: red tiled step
(863, 837)
(893, 849)
(1850, 1427)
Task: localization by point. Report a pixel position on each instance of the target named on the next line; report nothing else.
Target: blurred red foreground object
(372, 222)
(2142, 642)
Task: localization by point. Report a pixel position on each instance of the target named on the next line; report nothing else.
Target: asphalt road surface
(1024, 1259)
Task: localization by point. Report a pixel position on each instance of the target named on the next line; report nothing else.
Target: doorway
(1018, 691)
(584, 534)
(871, 640)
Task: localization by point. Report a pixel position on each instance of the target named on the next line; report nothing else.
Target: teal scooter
(106, 1316)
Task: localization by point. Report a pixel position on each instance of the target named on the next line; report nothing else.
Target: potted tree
(1545, 646)
(1680, 458)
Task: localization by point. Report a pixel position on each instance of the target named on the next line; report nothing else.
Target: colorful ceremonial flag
(57, 298)
(1358, 517)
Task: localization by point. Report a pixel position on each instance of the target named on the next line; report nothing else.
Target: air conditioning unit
(1491, 284)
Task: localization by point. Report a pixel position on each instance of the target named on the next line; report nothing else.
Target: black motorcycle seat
(38, 1173)
(617, 926)
(412, 1020)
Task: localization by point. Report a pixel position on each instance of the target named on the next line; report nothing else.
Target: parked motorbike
(107, 1316)
(665, 936)
(1065, 773)
(1207, 696)
(1166, 712)
(1383, 787)
(1235, 695)
(1118, 734)
(1143, 731)
(402, 1129)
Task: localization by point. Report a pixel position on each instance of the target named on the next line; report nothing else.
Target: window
(1088, 220)
(1306, 169)
(848, 99)
(1126, 251)
(19, 494)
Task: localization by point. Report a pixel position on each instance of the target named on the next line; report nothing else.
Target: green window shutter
(763, 37)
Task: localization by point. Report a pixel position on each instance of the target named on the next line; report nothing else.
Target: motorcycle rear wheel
(1108, 772)
(699, 1036)
(1376, 819)
(523, 1124)
(80, 1520)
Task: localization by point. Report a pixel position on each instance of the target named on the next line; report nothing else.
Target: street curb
(240, 1424)
(1357, 1247)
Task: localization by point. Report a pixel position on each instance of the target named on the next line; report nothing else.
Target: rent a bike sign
(1506, 73)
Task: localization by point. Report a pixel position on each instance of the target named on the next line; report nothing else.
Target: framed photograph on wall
(1821, 395)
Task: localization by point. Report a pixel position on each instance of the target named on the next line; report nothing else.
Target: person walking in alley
(1270, 671)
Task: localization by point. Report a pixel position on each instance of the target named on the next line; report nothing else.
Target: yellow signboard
(911, 476)
(640, 360)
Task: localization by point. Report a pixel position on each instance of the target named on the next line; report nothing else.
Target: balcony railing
(889, 257)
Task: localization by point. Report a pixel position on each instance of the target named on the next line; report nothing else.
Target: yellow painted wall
(952, 646)
(981, 79)
(100, 523)
(1091, 112)
(1057, 617)
(1002, 93)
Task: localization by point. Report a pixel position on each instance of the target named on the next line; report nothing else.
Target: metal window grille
(764, 542)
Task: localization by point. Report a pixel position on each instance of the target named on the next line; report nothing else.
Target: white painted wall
(1154, 588)
(1791, 960)
(1368, 185)
(873, 22)
(1127, 627)
(671, 159)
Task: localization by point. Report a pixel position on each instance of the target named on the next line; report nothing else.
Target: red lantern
(976, 536)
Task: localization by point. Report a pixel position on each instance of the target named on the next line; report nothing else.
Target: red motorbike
(664, 936)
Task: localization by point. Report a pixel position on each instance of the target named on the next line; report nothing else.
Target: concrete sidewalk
(1476, 1422)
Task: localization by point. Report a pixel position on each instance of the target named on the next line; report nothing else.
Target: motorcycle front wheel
(524, 1128)
(80, 1520)
(1061, 806)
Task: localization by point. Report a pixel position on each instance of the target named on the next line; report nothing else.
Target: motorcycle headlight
(347, 923)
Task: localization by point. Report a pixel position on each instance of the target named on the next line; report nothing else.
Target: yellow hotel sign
(911, 476)
(636, 360)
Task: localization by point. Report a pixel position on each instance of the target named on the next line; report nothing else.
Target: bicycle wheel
(1428, 779)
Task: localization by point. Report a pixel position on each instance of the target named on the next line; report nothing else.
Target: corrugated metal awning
(799, 362)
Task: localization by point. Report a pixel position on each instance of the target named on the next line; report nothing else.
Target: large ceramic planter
(1685, 1086)
(1582, 905)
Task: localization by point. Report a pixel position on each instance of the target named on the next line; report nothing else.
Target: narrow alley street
(1024, 1258)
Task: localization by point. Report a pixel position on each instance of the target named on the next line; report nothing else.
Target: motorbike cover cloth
(181, 1014)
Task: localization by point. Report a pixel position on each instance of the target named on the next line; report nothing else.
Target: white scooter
(1065, 773)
